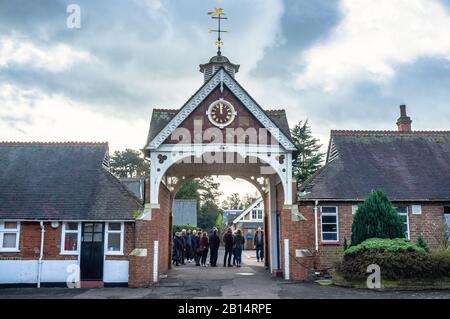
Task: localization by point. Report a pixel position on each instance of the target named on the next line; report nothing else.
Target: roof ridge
(68, 143)
(165, 110)
(385, 132)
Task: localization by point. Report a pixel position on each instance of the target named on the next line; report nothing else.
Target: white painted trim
(249, 210)
(286, 259)
(221, 77)
(337, 224)
(158, 170)
(155, 260)
(122, 235)
(63, 237)
(16, 231)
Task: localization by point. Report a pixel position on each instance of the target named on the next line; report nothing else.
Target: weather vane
(219, 15)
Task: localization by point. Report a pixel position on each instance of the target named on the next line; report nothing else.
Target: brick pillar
(141, 264)
(141, 259)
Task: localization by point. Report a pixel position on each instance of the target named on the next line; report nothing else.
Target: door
(92, 248)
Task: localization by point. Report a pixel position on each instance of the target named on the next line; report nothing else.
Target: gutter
(41, 254)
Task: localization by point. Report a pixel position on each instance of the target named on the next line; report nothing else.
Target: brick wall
(146, 232)
(429, 224)
(300, 235)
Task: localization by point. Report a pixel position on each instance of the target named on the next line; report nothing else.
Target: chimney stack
(404, 121)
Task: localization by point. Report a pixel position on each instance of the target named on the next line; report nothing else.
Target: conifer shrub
(376, 218)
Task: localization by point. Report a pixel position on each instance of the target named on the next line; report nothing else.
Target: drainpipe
(41, 255)
(316, 231)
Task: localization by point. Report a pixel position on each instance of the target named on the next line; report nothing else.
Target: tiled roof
(407, 165)
(64, 181)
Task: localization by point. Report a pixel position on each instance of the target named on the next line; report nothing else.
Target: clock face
(221, 113)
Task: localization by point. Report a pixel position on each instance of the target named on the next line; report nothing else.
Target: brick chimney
(404, 121)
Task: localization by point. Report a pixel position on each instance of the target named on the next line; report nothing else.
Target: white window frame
(408, 235)
(122, 238)
(256, 211)
(447, 222)
(416, 209)
(63, 237)
(337, 224)
(3, 231)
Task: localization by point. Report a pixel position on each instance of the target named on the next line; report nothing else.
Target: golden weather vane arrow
(219, 15)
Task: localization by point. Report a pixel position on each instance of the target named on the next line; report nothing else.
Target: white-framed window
(70, 238)
(354, 209)
(416, 209)
(447, 221)
(114, 238)
(9, 236)
(330, 224)
(257, 214)
(403, 212)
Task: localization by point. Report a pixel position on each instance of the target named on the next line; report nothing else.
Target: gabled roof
(62, 181)
(409, 166)
(164, 122)
(248, 210)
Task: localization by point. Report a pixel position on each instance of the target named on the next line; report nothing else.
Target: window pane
(88, 228)
(10, 225)
(114, 226)
(9, 240)
(113, 242)
(98, 237)
(329, 228)
(328, 209)
(71, 226)
(329, 236)
(98, 228)
(87, 237)
(71, 242)
(402, 210)
(329, 219)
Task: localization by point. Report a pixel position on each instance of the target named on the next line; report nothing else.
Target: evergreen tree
(376, 218)
(128, 164)
(309, 158)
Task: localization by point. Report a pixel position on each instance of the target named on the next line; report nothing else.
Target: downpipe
(41, 255)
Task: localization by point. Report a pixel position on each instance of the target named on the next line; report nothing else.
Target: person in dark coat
(259, 244)
(238, 247)
(228, 242)
(177, 247)
(198, 252)
(214, 244)
(204, 246)
(189, 254)
(183, 243)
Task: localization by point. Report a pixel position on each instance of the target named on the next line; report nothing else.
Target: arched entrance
(220, 130)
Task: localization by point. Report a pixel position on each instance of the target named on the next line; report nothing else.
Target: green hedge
(397, 258)
(388, 245)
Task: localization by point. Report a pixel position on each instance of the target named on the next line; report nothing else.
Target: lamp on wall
(55, 225)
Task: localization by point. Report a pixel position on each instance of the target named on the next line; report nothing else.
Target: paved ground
(250, 281)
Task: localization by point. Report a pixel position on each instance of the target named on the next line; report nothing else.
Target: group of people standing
(194, 246)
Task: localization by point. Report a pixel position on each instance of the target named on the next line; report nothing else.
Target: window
(416, 209)
(330, 224)
(403, 212)
(70, 238)
(114, 239)
(9, 236)
(354, 209)
(257, 214)
(447, 220)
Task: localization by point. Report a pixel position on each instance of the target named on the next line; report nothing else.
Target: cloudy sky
(342, 64)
